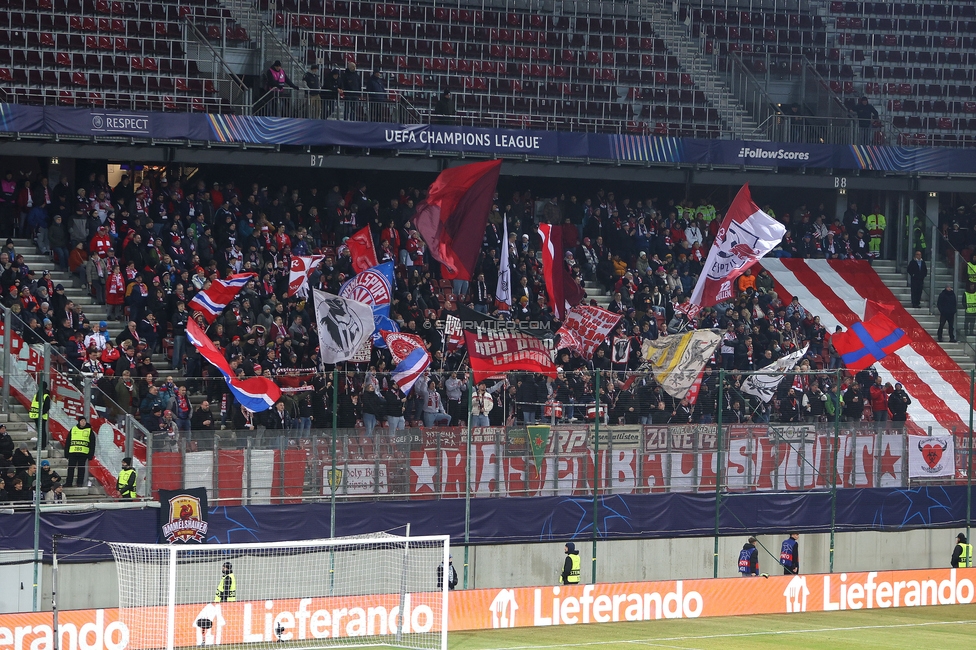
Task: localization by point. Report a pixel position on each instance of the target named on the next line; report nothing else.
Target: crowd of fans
(146, 250)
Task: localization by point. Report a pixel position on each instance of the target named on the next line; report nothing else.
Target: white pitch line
(728, 636)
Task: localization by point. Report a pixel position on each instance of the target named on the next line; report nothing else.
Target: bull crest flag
(343, 326)
(763, 384)
(746, 235)
(677, 360)
(538, 437)
(453, 217)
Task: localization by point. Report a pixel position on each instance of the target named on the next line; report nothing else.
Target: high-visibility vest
(122, 484)
(971, 302)
(876, 222)
(226, 589)
(79, 441)
(35, 408)
(971, 271)
(574, 572)
(966, 557)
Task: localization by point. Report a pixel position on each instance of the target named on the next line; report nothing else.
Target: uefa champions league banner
(367, 619)
(15, 118)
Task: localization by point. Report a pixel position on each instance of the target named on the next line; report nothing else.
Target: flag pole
(467, 485)
(833, 469)
(969, 454)
(718, 468)
(333, 482)
(596, 467)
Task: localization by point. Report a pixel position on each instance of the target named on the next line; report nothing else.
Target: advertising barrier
(484, 609)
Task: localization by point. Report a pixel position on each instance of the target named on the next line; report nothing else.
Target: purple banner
(16, 118)
(525, 520)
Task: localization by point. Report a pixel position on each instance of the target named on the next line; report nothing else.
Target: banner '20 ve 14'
(15, 118)
(358, 618)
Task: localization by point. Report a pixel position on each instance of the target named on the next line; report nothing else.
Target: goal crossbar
(386, 590)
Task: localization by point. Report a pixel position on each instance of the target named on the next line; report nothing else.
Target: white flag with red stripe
(746, 235)
(301, 269)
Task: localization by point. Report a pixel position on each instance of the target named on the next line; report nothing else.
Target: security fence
(582, 433)
(526, 435)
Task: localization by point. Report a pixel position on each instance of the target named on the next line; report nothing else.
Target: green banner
(538, 436)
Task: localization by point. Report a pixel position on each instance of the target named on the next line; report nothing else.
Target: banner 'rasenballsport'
(351, 617)
(16, 118)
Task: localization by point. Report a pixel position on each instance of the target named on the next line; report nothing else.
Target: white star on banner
(425, 473)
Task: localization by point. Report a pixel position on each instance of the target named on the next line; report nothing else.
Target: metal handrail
(202, 40)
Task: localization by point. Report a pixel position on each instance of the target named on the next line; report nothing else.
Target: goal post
(377, 590)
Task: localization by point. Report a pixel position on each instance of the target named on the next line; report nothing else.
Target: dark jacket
(373, 404)
(947, 302)
(452, 579)
(917, 271)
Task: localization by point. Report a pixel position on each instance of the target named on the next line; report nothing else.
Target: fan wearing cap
(275, 82)
(571, 566)
(227, 586)
(126, 483)
(962, 554)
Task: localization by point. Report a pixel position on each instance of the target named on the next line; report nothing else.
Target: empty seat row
(132, 83)
(170, 103)
(721, 17)
(949, 10)
(930, 106)
(103, 63)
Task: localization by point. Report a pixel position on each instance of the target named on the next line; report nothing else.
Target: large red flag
(493, 352)
(746, 234)
(564, 292)
(453, 217)
(362, 249)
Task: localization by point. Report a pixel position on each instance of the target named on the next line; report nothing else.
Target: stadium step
(896, 280)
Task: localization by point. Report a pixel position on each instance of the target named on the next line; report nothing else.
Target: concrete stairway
(896, 280)
(18, 424)
(675, 36)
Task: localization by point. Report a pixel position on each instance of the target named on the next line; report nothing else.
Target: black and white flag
(343, 324)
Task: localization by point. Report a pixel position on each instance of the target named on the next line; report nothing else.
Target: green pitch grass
(916, 628)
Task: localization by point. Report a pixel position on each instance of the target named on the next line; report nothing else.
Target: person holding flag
(745, 236)
(503, 290)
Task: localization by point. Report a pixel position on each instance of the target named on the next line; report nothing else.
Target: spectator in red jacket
(879, 401)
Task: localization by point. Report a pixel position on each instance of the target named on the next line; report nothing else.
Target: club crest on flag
(745, 235)
(343, 326)
(370, 287)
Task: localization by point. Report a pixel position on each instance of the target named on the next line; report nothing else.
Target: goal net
(343, 592)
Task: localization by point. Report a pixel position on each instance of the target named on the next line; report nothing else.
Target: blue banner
(15, 118)
(522, 520)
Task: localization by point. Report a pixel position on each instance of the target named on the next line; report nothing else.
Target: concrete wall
(670, 559)
(519, 565)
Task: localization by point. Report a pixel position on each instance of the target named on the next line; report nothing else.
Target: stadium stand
(111, 54)
(512, 68)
